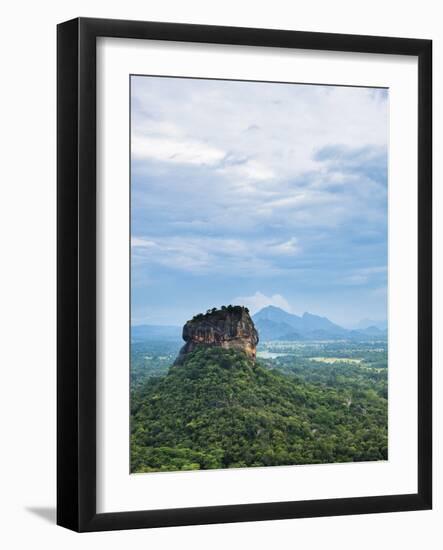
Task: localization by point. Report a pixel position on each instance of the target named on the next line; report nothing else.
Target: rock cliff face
(229, 327)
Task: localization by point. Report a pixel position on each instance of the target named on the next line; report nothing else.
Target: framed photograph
(244, 274)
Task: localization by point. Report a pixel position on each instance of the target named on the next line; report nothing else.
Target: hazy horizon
(257, 194)
(362, 323)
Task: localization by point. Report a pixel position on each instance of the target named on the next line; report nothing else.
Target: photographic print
(259, 215)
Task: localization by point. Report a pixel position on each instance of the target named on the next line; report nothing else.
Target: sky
(257, 194)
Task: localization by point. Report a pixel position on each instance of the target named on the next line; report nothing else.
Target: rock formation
(230, 327)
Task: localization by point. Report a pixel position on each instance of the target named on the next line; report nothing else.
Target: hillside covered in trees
(220, 409)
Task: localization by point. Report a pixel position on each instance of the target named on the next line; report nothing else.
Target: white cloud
(290, 122)
(259, 300)
(286, 248)
(246, 178)
(214, 254)
(180, 151)
(250, 169)
(267, 182)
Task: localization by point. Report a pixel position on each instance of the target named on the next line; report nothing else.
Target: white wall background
(27, 275)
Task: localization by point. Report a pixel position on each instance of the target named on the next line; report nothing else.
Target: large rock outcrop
(230, 327)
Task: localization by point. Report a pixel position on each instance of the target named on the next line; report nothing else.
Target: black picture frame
(76, 279)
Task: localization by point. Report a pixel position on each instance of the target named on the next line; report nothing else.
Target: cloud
(316, 162)
(259, 184)
(180, 151)
(283, 140)
(370, 162)
(286, 248)
(250, 169)
(142, 243)
(205, 255)
(365, 275)
(259, 300)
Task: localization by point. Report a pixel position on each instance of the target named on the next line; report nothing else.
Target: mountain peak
(273, 323)
(273, 308)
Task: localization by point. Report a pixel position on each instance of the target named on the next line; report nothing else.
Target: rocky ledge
(230, 327)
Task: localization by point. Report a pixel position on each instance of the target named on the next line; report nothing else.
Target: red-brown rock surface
(229, 327)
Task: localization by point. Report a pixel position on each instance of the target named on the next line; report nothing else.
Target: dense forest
(221, 410)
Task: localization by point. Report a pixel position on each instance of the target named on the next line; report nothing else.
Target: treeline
(230, 308)
(356, 380)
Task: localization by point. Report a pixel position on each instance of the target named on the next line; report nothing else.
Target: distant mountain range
(273, 323)
(365, 323)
